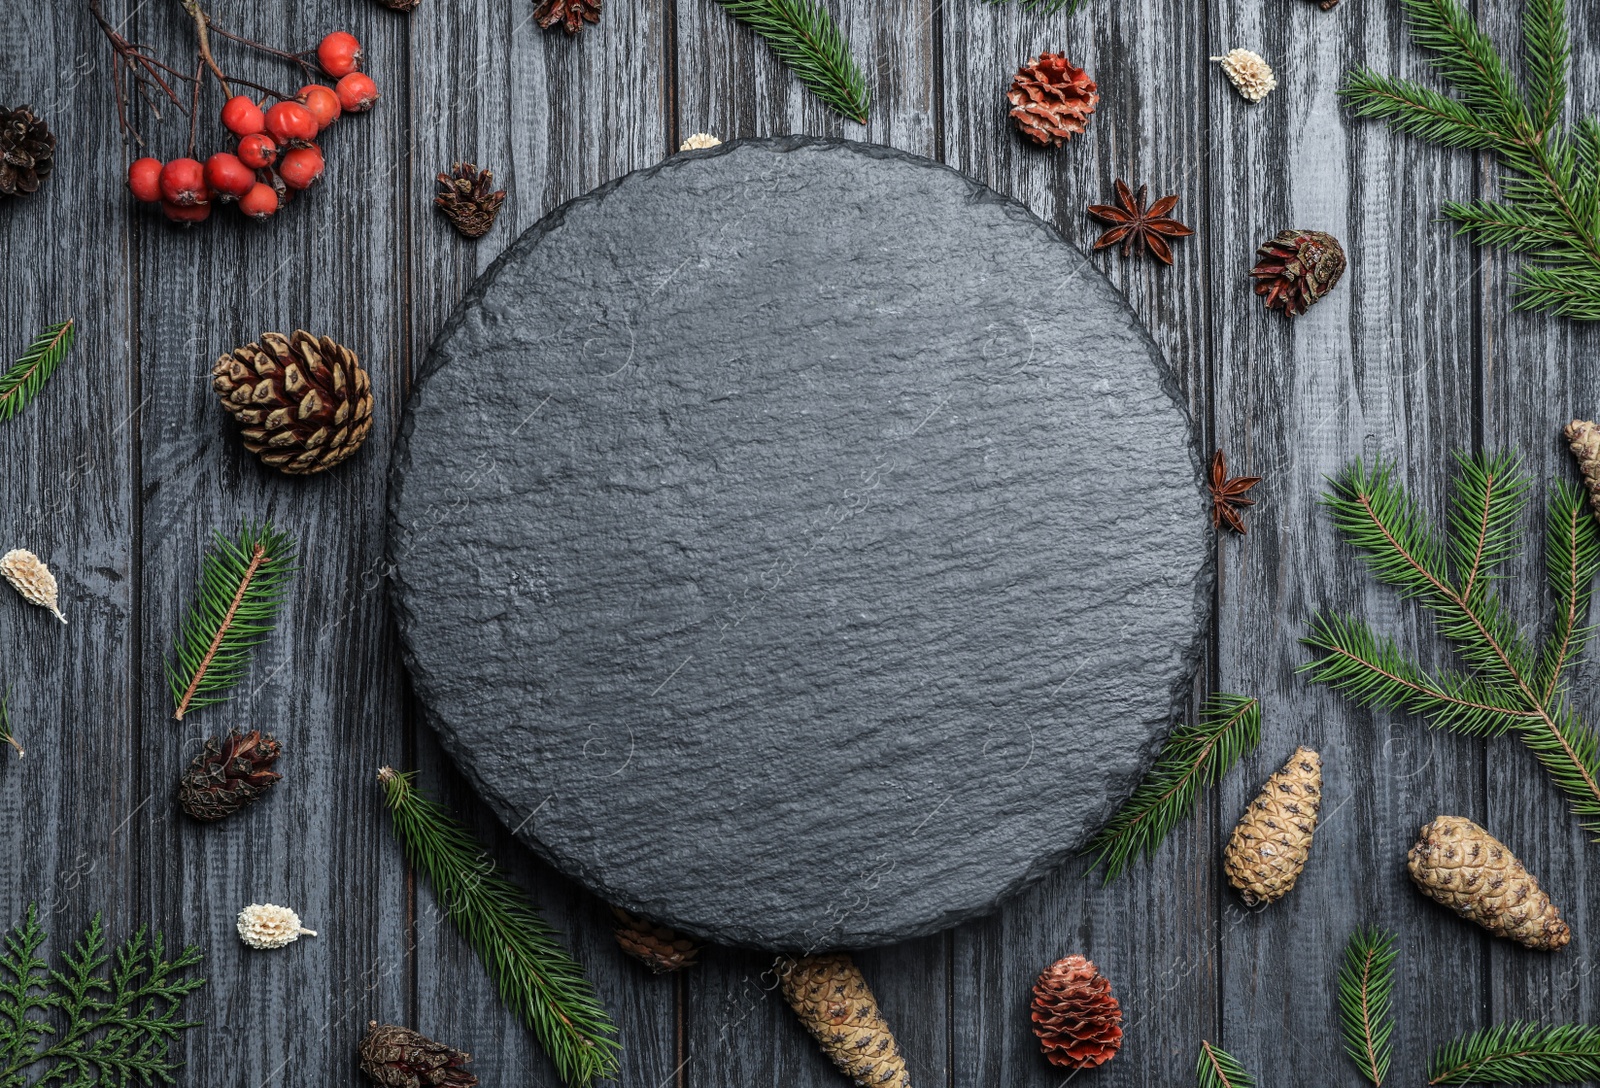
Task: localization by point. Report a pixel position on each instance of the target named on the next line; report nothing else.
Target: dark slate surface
(799, 543)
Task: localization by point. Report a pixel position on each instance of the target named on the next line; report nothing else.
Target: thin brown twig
(297, 59)
(194, 112)
(202, 31)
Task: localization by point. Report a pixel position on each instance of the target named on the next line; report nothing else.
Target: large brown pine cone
(1077, 1020)
(570, 13)
(27, 151)
(657, 947)
(1459, 864)
(1269, 847)
(830, 995)
(397, 1057)
(1051, 100)
(1297, 268)
(304, 401)
(229, 774)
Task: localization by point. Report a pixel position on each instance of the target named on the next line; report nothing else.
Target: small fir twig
(1229, 726)
(805, 37)
(1520, 1053)
(1366, 1001)
(1046, 7)
(5, 724)
(241, 589)
(25, 378)
(1219, 1069)
(537, 978)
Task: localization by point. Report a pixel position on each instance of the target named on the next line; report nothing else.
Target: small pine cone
(1249, 73)
(1268, 848)
(32, 579)
(406, 6)
(1584, 439)
(305, 402)
(229, 774)
(1297, 268)
(27, 151)
(1078, 1022)
(831, 997)
(397, 1057)
(468, 198)
(699, 142)
(657, 947)
(1051, 100)
(267, 925)
(1459, 864)
(570, 13)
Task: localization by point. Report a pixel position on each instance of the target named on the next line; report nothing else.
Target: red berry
(357, 92)
(228, 176)
(144, 178)
(183, 182)
(291, 123)
(258, 151)
(301, 167)
(243, 117)
(339, 54)
(322, 102)
(260, 203)
(186, 213)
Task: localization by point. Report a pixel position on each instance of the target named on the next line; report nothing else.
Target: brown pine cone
(397, 1057)
(304, 401)
(468, 198)
(657, 947)
(1078, 1022)
(831, 997)
(1297, 268)
(229, 774)
(27, 151)
(1459, 864)
(1583, 439)
(407, 6)
(570, 13)
(1268, 848)
(1051, 100)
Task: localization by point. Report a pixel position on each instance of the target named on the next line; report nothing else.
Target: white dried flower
(32, 578)
(1249, 72)
(699, 142)
(264, 925)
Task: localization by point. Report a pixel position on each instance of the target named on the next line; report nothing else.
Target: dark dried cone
(397, 1057)
(1051, 100)
(657, 947)
(27, 151)
(304, 401)
(468, 198)
(401, 5)
(232, 772)
(570, 13)
(1297, 268)
(1078, 1022)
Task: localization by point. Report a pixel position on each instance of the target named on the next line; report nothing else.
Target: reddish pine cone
(1051, 100)
(304, 401)
(830, 995)
(1269, 847)
(1297, 268)
(397, 1057)
(657, 947)
(1459, 864)
(571, 14)
(1078, 1022)
(229, 774)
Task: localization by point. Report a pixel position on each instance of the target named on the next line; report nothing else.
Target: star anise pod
(1227, 494)
(1133, 222)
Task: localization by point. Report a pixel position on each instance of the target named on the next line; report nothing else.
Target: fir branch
(1046, 7)
(805, 37)
(1219, 1069)
(6, 734)
(26, 377)
(1520, 1053)
(1366, 1001)
(1192, 756)
(241, 589)
(538, 980)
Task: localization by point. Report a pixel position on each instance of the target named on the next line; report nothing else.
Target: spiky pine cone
(1078, 1022)
(1268, 848)
(468, 198)
(1297, 268)
(570, 13)
(304, 402)
(229, 774)
(397, 1057)
(830, 995)
(1459, 864)
(1051, 100)
(27, 151)
(657, 947)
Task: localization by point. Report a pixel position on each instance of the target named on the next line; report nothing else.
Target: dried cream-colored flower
(264, 925)
(1251, 74)
(32, 578)
(699, 142)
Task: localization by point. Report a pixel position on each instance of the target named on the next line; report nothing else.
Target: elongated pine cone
(1583, 438)
(229, 774)
(1459, 864)
(27, 151)
(570, 13)
(397, 1057)
(30, 577)
(657, 947)
(1051, 100)
(1249, 73)
(1268, 848)
(832, 999)
(304, 401)
(1297, 268)
(1078, 1022)
(267, 925)
(468, 198)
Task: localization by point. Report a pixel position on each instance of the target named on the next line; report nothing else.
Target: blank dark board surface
(763, 576)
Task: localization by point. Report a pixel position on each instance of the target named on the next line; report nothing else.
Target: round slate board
(799, 543)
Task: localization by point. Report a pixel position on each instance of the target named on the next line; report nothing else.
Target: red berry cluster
(277, 155)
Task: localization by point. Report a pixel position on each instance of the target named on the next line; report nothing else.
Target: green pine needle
(241, 590)
(537, 978)
(1219, 1069)
(1551, 190)
(1229, 726)
(1520, 1053)
(26, 378)
(805, 37)
(1366, 1001)
(1047, 7)
(96, 1019)
(6, 734)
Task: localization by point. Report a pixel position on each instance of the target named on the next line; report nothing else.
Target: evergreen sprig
(1508, 685)
(805, 37)
(537, 978)
(1520, 1053)
(1219, 1069)
(1550, 207)
(6, 735)
(1192, 756)
(241, 589)
(1047, 7)
(26, 377)
(1366, 1001)
(94, 1020)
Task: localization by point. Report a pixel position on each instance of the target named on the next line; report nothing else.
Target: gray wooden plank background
(121, 471)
